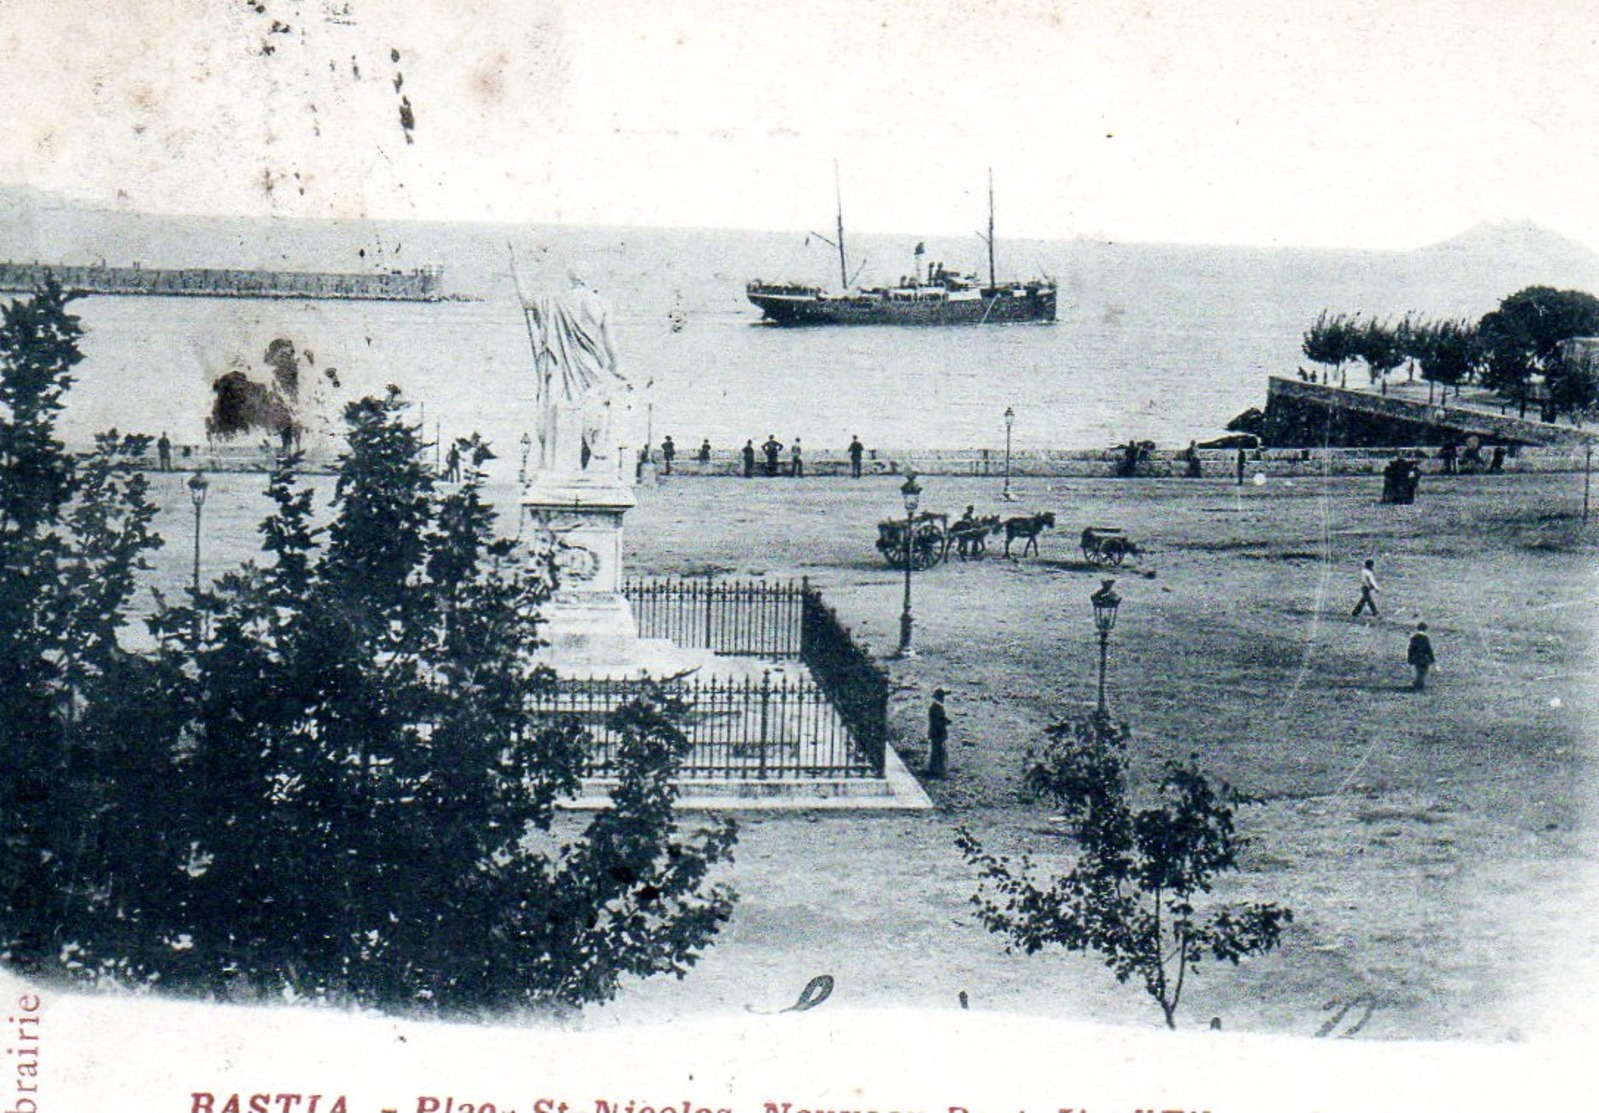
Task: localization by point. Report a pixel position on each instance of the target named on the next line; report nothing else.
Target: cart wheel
(1116, 552)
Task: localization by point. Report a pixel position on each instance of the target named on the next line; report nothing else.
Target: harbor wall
(424, 284)
(1309, 414)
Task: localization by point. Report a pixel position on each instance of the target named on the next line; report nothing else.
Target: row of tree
(1505, 351)
(323, 782)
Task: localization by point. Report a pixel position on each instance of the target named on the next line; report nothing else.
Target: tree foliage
(73, 535)
(1381, 346)
(1448, 352)
(1332, 341)
(1135, 892)
(1521, 340)
(337, 791)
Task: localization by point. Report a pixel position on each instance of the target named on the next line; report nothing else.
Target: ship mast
(993, 282)
(843, 267)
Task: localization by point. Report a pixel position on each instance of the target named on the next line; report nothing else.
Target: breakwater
(420, 284)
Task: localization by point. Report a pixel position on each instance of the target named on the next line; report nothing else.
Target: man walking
(1420, 656)
(856, 449)
(1368, 592)
(937, 735)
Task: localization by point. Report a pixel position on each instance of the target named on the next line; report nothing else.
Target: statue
(579, 385)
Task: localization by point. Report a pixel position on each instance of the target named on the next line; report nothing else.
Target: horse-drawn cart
(925, 542)
(1107, 545)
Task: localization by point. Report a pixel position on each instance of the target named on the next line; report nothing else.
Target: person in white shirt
(1368, 592)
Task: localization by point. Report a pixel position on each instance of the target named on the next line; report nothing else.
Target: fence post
(709, 644)
(766, 708)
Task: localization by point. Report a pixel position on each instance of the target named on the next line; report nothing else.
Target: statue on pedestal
(580, 388)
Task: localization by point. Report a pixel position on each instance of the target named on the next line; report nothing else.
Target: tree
(1381, 347)
(1574, 382)
(72, 539)
(1133, 893)
(1521, 338)
(365, 811)
(1447, 351)
(1331, 341)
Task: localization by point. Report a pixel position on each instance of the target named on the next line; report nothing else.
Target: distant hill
(1515, 254)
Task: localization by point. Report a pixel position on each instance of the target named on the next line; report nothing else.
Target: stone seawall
(1310, 414)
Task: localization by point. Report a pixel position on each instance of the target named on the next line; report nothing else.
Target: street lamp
(912, 494)
(1010, 419)
(1105, 602)
(197, 489)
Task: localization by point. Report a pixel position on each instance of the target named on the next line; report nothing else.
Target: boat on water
(931, 296)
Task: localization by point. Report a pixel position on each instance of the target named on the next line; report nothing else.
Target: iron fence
(831, 723)
(735, 618)
(847, 674)
(742, 728)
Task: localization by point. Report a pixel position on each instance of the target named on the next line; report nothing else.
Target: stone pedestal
(588, 624)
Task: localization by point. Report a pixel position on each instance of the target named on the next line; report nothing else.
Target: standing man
(1240, 467)
(1368, 592)
(749, 458)
(1420, 656)
(668, 452)
(937, 735)
(772, 447)
(705, 451)
(855, 451)
(163, 448)
(798, 460)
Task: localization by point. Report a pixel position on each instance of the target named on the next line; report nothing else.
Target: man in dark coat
(772, 447)
(856, 448)
(749, 458)
(1420, 655)
(937, 735)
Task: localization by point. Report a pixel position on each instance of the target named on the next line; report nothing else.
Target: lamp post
(912, 494)
(197, 489)
(1105, 602)
(1010, 419)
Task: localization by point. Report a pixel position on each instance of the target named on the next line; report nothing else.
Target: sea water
(1159, 343)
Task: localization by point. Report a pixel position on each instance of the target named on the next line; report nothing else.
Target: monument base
(588, 626)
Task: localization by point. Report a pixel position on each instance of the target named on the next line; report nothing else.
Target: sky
(1345, 123)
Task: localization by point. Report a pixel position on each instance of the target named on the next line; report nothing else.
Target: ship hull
(1034, 303)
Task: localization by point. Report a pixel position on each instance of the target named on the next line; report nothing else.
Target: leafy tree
(1381, 347)
(1521, 338)
(1447, 351)
(1574, 384)
(1331, 341)
(72, 540)
(366, 811)
(1133, 894)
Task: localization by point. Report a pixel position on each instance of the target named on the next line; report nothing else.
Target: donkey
(1029, 527)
